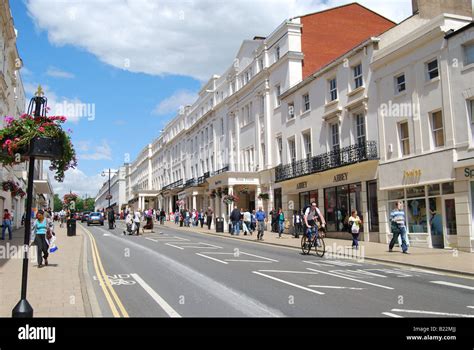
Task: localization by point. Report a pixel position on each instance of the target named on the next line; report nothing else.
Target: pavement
(54, 290)
(444, 260)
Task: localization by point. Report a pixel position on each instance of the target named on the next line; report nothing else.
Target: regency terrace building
(297, 117)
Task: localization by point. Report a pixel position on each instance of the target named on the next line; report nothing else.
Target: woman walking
(354, 223)
(42, 232)
(281, 222)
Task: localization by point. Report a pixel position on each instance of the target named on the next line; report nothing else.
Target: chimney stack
(433, 8)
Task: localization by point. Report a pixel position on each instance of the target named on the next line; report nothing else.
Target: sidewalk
(54, 290)
(444, 260)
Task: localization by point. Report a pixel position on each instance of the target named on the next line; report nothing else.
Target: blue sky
(136, 61)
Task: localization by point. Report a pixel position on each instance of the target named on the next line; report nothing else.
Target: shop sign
(341, 177)
(301, 185)
(218, 182)
(469, 172)
(412, 173)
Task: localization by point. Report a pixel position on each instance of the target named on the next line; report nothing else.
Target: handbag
(355, 228)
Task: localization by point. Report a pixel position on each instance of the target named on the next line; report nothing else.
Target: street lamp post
(23, 308)
(109, 196)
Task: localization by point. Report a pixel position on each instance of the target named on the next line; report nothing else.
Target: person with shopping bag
(354, 225)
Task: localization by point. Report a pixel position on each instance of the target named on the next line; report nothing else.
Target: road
(172, 273)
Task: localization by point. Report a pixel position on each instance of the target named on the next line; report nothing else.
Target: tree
(58, 204)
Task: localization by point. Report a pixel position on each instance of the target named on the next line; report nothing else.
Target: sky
(120, 69)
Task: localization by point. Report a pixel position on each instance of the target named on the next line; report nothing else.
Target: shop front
(435, 199)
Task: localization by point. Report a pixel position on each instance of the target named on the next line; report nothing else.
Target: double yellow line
(109, 292)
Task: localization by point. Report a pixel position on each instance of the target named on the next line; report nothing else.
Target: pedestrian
(398, 226)
(162, 216)
(42, 231)
(176, 217)
(235, 219)
(354, 223)
(136, 221)
(7, 224)
(253, 222)
(209, 213)
(129, 224)
(201, 218)
(247, 222)
(111, 218)
(281, 222)
(297, 223)
(261, 218)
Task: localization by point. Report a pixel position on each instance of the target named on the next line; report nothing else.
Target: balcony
(326, 161)
(220, 171)
(190, 183)
(173, 185)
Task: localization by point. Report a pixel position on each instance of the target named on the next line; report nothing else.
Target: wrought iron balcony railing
(220, 171)
(173, 185)
(190, 183)
(330, 160)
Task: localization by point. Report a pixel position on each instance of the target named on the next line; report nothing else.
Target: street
(171, 273)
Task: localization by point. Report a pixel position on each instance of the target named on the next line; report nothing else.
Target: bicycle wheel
(320, 247)
(305, 245)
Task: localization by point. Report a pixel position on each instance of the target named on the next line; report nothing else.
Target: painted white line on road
(391, 315)
(425, 271)
(431, 313)
(357, 273)
(208, 257)
(175, 246)
(257, 256)
(253, 261)
(449, 284)
(163, 304)
(288, 283)
(210, 245)
(284, 271)
(470, 307)
(335, 287)
(150, 239)
(351, 279)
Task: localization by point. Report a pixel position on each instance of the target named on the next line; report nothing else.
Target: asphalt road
(172, 273)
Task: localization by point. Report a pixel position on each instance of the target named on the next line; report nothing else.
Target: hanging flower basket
(180, 203)
(219, 193)
(39, 137)
(213, 194)
(14, 188)
(229, 199)
(245, 190)
(264, 196)
(69, 197)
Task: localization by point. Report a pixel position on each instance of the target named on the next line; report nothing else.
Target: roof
(460, 30)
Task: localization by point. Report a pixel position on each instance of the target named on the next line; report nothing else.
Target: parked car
(95, 218)
(85, 216)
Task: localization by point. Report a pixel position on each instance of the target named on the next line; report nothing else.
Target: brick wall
(328, 34)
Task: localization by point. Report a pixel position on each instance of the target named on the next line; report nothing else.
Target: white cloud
(172, 104)
(58, 73)
(72, 108)
(191, 38)
(101, 152)
(78, 182)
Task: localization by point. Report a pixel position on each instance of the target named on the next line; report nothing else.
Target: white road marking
(431, 313)
(399, 273)
(107, 234)
(257, 256)
(253, 261)
(288, 283)
(335, 287)
(452, 284)
(284, 271)
(163, 304)
(150, 239)
(208, 257)
(425, 271)
(391, 315)
(351, 279)
(175, 246)
(328, 262)
(470, 307)
(357, 273)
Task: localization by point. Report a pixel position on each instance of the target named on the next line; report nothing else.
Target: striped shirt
(398, 216)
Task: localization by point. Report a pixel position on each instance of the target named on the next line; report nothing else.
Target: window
(335, 136)
(262, 146)
(469, 54)
(277, 53)
(437, 127)
(277, 95)
(332, 89)
(404, 139)
(291, 110)
(307, 144)
(432, 69)
(222, 126)
(292, 150)
(247, 115)
(400, 83)
(306, 103)
(279, 148)
(360, 129)
(260, 64)
(358, 82)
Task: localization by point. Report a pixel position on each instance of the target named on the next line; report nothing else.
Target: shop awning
(42, 187)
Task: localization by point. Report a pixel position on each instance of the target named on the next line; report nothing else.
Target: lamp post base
(22, 310)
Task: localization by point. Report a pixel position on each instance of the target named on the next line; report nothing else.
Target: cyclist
(312, 214)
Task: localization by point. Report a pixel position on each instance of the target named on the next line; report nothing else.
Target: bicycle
(317, 242)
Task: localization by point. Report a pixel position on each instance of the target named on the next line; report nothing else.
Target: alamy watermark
(75, 110)
(396, 110)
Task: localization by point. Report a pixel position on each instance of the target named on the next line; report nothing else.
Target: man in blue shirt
(261, 218)
(398, 226)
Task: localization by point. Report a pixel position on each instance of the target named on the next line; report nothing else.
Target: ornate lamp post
(23, 309)
(109, 196)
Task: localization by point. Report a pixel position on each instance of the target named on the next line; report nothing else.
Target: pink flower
(63, 119)
(8, 142)
(8, 120)
(41, 129)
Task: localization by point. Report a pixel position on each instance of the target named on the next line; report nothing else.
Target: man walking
(209, 217)
(398, 226)
(261, 218)
(7, 224)
(235, 219)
